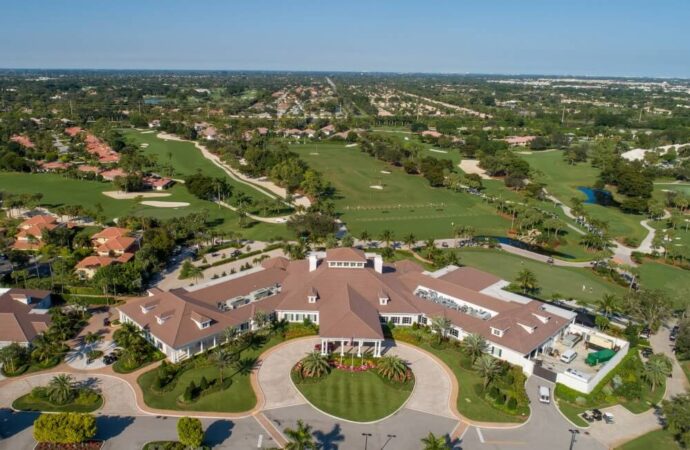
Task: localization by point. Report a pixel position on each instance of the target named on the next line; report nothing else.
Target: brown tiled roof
(349, 315)
(110, 233)
(345, 254)
(471, 278)
(122, 243)
(17, 323)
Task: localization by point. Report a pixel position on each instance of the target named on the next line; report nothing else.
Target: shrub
(203, 384)
(189, 392)
(190, 432)
(64, 428)
(581, 401)
(500, 399)
(512, 403)
(494, 392)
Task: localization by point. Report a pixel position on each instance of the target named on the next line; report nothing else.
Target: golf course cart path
(280, 219)
(267, 188)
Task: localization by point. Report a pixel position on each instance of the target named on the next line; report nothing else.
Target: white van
(544, 394)
(568, 356)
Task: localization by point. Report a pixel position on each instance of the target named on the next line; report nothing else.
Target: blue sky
(579, 37)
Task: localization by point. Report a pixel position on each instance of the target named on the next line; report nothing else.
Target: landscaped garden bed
(169, 445)
(62, 394)
(361, 389)
(89, 445)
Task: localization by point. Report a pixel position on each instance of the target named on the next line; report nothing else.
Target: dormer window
(200, 320)
(527, 328)
(146, 307)
(542, 319)
(497, 332)
(312, 296)
(161, 318)
(383, 298)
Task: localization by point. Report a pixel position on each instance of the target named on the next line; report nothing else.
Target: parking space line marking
(481, 436)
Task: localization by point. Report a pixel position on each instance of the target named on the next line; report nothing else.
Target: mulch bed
(89, 445)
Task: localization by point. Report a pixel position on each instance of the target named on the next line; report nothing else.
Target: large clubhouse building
(349, 294)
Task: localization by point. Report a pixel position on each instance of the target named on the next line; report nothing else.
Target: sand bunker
(148, 132)
(437, 151)
(472, 166)
(385, 172)
(314, 154)
(377, 186)
(157, 204)
(144, 145)
(118, 195)
(351, 145)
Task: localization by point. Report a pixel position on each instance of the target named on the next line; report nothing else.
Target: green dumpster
(599, 357)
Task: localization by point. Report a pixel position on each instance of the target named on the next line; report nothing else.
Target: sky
(557, 37)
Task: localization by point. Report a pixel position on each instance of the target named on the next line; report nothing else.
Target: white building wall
(589, 385)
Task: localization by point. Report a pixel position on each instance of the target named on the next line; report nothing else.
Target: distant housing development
(349, 294)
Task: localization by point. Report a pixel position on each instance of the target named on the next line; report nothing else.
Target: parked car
(544, 394)
(568, 356)
(645, 333)
(110, 358)
(674, 333)
(647, 352)
(106, 322)
(236, 253)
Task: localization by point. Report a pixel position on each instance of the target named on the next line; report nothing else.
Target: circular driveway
(431, 394)
(118, 395)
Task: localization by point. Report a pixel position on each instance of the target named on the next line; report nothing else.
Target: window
(497, 332)
(395, 320)
(406, 320)
(422, 320)
(454, 332)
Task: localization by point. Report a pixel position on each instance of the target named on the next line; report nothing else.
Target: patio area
(551, 359)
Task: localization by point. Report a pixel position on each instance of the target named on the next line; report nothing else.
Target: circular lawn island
(371, 390)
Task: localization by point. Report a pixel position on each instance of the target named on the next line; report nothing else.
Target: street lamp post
(389, 436)
(366, 439)
(573, 432)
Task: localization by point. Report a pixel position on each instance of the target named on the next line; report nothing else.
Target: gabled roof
(349, 315)
(110, 233)
(17, 322)
(345, 254)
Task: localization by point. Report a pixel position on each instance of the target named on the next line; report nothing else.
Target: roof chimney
(378, 263)
(313, 262)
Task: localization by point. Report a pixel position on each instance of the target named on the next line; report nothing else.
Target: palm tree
(488, 368)
(230, 334)
(300, 438)
(440, 325)
(431, 442)
(43, 347)
(608, 304)
(409, 240)
(223, 358)
(365, 236)
(527, 281)
(656, 370)
(92, 338)
(392, 367)
(61, 389)
(386, 237)
(474, 346)
(260, 319)
(315, 365)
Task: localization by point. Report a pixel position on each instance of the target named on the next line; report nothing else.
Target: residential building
(23, 315)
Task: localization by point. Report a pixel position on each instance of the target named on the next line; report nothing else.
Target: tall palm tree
(223, 358)
(527, 281)
(61, 389)
(260, 319)
(230, 334)
(474, 346)
(656, 370)
(431, 442)
(43, 347)
(315, 365)
(409, 240)
(392, 368)
(440, 325)
(92, 338)
(300, 438)
(488, 368)
(386, 237)
(608, 304)
(364, 236)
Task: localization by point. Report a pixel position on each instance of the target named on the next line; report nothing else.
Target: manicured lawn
(405, 204)
(562, 181)
(83, 405)
(59, 191)
(236, 398)
(674, 280)
(656, 440)
(573, 414)
(357, 396)
(471, 401)
(186, 160)
(566, 281)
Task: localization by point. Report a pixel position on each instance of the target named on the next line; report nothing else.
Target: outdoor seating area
(596, 415)
(551, 359)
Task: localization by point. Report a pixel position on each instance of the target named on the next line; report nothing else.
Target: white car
(544, 394)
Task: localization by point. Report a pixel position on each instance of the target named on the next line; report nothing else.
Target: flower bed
(88, 445)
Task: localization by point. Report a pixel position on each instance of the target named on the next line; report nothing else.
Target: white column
(214, 341)
(342, 348)
(359, 348)
(201, 343)
(323, 347)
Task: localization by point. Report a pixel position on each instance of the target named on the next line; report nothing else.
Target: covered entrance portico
(353, 342)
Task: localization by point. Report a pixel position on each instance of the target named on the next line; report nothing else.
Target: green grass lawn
(59, 191)
(656, 440)
(356, 396)
(29, 403)
(237, 398)
(573, 414)
(405, 204)
(562, 180)
(187, 160)
(566, 281)
(674, 280)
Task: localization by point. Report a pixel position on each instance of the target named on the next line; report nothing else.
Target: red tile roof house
(110, 175)
(328, 129)
(520, 141)
(158, 183)
(112, 245)
(23, 315)
(30, 233)
(24, 141)
(431, 133)
(87, 267)
(349, 294)
(73, 131)
(54, 166)
(86, 168)
(100, 149)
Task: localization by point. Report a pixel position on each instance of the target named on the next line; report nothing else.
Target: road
(132, 432)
